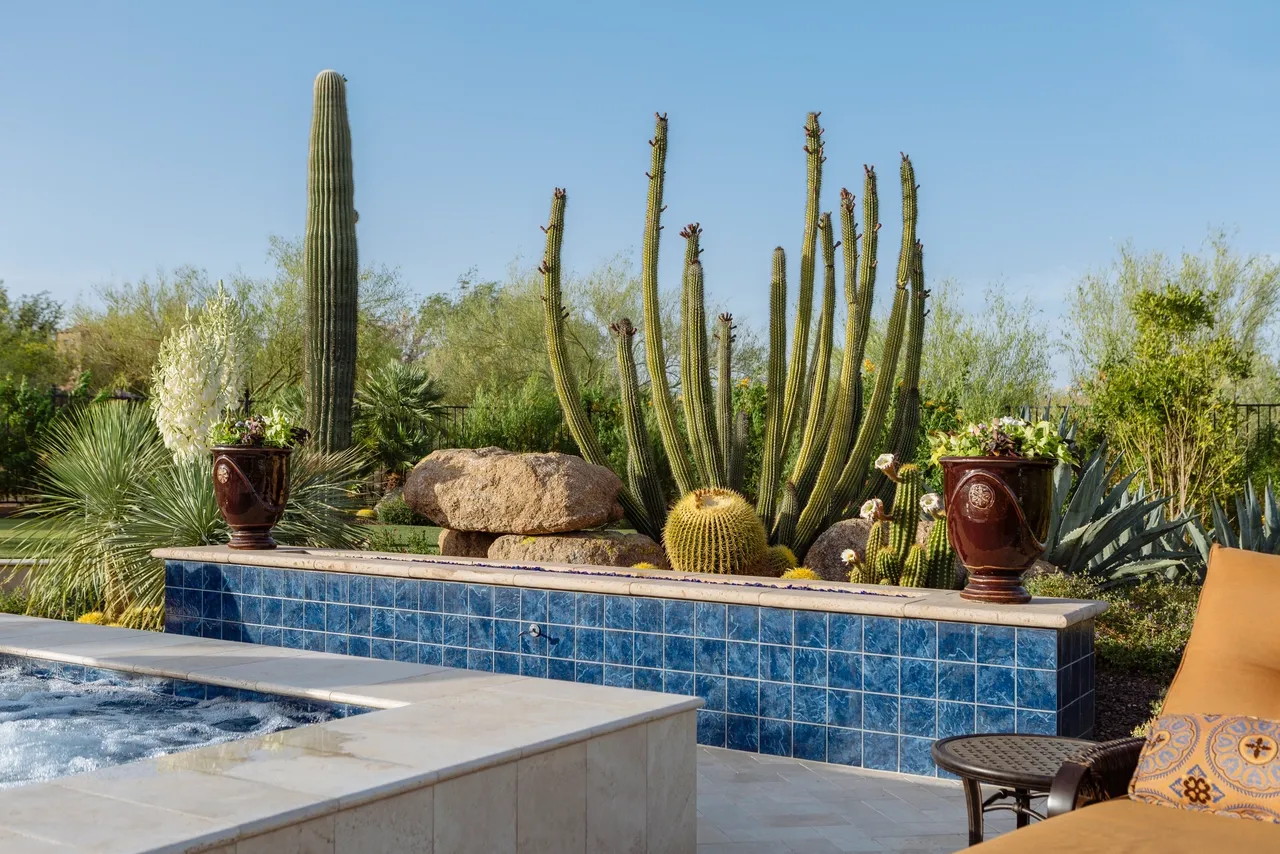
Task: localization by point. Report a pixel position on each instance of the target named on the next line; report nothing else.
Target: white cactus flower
(1011, 421)
(884, 462)
(931, 503)
(872, 509)
(849, 556)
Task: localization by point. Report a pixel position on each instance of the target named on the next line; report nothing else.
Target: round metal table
(1021, 766)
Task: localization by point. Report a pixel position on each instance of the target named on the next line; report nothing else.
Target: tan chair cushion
(1232, 662)
(1122, 826)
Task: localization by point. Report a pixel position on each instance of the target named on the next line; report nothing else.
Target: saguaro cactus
(330, 268)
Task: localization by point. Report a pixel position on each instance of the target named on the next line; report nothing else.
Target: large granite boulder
(465, 543)
(589, 548)
(824, 555)
(489, 489)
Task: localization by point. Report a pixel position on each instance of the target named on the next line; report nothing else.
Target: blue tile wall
(844, 688)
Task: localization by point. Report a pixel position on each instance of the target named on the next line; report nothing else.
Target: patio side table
(1022, 766)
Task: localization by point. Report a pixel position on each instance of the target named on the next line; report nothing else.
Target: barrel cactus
(714, 530)
(777, 561)
(801, 573)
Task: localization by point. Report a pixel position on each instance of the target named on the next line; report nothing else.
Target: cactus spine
(642, 470)
(915, 572)
(330, 268)
(864, 571)
(714, 530)
(939, 555)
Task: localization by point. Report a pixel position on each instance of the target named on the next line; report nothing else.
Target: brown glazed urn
(998, 512)
(252, 488)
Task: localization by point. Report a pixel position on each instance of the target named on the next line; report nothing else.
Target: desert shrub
(527, 419)
(421, 542)
(397, 410)
(392, 510)
(25, 412)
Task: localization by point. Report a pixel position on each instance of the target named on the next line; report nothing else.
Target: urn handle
(982, 489)
(225, 467)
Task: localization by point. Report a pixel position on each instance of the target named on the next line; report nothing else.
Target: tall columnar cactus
(906, 504)
(939, 554)
(642, 469)
(715, 530)
(330, 268)
(774, 446)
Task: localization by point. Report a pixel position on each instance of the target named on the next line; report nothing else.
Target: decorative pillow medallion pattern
(1214, 763)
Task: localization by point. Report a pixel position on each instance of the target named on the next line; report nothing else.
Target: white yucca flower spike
(849, 556)
(931, 503)
(872, 509)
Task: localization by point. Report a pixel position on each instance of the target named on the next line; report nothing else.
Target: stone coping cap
(831, 596)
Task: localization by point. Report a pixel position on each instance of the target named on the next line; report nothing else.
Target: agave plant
(1258, 521)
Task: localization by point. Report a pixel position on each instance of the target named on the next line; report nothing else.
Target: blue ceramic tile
(810, 704)
(559, 668)
(250, 580)
(677, 617)
(919, 717)
(811, 629)
(193, 603)
(648, 614)
(844, 708)
(1037, 648)
(775, 700)
(619, 613)
(293, 639)
(506, 663)
(880, 635)
(359, 589)
(956, 641)
(173, 571)
(880, 674)
(589, 673)
(531, 644)
(383, 625)
(231, 576)
(383, 593)
(453, 597)
(506, 636)
(712, 690)
(956, 682)
(956, 719)
(844, 670)
(919, 678)
(430, 628)
(744, 622)
(590, 610)
(1037, 723)
(480, 633)
(880, 712)
(648, 650)
(313, 586)
(561, 608)
(406, 625)
(678, 653)
(272, 582)
(844, 746)
(560, 642)
(313, 617)
(919, 639)
(359, 620)
(590, 645)
(250, 609)
(618, 676)
(506, 603)
(1037, 689)
(453, 657)
(916, 756)
(431, 596)
(744, 660)
(676, 682)
(776, 626)
(618, 647)
(211, 605)
(335, 644)
(480, 659)
(810, 742)
(997, 645)
(533, 665)
(359, 646)
(711, 728)
(454, 626)
(996, 686)
(845, 632)
(335, 588)
(272, 612)
(406, 594)
(710, 620)
(993, 719)
(533, 606)
(430, 653)
(294, 584)
(406, 652)
(648, 679)
(710, 656)
(743, 697)
(775, 737)
(479, 600)
(743, 733)
(880, 751)
(810, 666)
(292, 614)
(775, 663)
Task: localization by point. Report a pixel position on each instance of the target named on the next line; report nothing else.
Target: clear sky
(142, 135)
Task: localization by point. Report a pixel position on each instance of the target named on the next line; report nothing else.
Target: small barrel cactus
(800, 573)
(714, 530)
(777, 561)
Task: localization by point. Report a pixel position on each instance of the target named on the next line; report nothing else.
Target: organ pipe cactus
(642, 469)
(811, 417)
(330, 269)
(939, 554)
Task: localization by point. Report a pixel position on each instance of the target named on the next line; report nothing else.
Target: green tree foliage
(397, 409)
(28, 331)
(25, 413)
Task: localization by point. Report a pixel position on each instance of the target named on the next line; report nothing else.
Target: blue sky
(142, 135)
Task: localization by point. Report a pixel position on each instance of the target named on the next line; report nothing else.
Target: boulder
(500, 492)
(465, 543)
(588, 548)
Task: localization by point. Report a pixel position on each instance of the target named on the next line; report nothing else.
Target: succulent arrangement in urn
(251, 474)
(998, 487)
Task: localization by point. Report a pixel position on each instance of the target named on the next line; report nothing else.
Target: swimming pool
(58, 719)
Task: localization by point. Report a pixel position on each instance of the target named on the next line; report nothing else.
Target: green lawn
(13, 531)
(414, 539)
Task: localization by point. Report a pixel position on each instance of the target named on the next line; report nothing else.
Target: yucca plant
(1257, 527)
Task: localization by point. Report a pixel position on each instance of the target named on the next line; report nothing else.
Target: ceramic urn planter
(252, 489)
(998, 511)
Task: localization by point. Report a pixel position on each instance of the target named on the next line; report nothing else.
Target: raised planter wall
(863, 676)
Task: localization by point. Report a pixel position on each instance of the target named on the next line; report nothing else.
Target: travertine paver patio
(753, 804)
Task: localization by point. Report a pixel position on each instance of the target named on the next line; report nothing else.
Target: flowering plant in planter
(274, 430)
(1003, 437)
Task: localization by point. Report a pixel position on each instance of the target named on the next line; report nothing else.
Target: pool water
(51, 726)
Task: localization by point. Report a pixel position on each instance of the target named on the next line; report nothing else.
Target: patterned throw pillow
(1226, 764)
